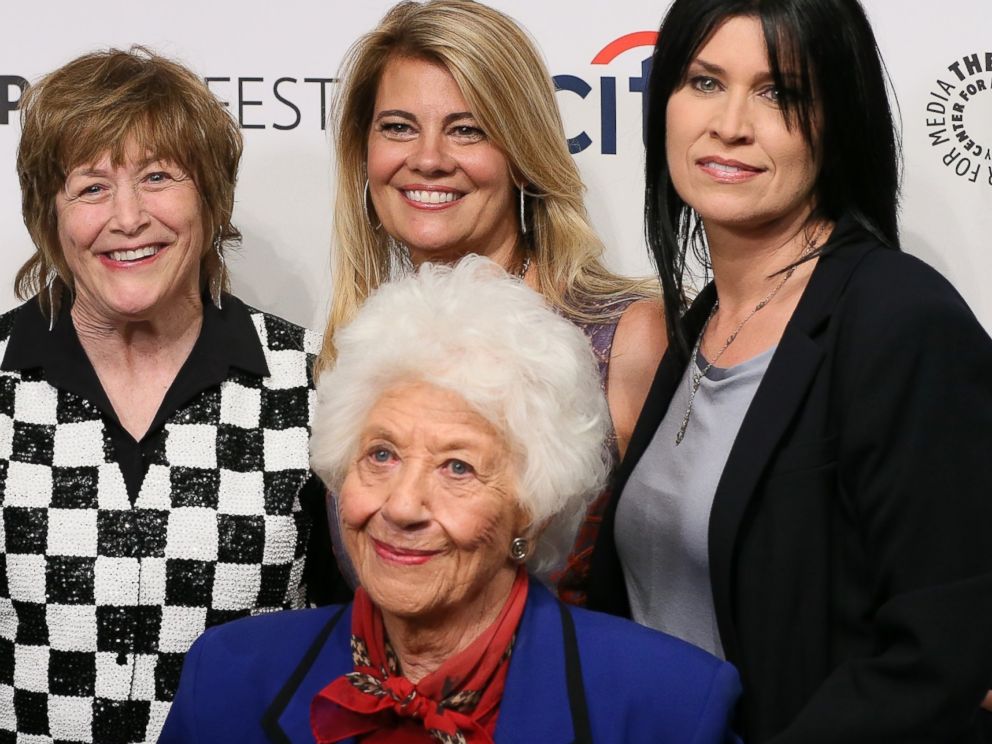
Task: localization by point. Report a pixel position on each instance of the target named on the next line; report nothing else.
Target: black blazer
(850, 537)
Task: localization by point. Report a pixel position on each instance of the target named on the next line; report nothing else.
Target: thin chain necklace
(697, 375)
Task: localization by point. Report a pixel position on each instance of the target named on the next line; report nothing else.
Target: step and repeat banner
(274, 65)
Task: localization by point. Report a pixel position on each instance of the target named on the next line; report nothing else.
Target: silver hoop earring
(366, 198)
(219, 289)
(523, 213)
(52, 276)
(519, 549)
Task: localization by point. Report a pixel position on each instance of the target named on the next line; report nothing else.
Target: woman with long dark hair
(806, 492)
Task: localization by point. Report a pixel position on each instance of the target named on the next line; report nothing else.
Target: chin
(146, 301)
(135, 308)
(428, 242)
(406, 599)
(733, 216)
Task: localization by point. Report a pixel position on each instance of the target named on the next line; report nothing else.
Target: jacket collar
(228, 338)
(776, 402)
(229, 334)
(535, 705)
(777, 399)
(287, 719)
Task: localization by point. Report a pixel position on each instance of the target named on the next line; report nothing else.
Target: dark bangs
(786, 38)
(790, 36)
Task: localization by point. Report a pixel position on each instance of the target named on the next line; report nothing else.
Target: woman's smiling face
(132, 236)
(731, 156)
(428, 507)
(437, 182)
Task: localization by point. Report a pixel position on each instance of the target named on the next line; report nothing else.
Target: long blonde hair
(507, 86)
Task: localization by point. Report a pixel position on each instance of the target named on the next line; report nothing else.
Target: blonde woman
(449, 142)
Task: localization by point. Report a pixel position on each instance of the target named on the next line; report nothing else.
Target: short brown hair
(103, 102)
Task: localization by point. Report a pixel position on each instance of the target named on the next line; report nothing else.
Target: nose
(732, 119)
(130, 215)
(430, 154)
(406, 504)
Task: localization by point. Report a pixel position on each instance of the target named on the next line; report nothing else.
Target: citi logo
(607, 134)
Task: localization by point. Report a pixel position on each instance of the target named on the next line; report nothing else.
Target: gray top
(663, 516)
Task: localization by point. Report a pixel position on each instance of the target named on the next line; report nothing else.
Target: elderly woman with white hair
(463, 428)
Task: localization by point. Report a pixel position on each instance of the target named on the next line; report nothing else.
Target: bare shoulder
(638, 346)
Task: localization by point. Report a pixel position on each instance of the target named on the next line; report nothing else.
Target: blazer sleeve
(915, 470)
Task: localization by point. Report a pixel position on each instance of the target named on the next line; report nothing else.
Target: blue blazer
(252, 680)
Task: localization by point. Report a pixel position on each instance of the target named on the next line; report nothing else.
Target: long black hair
(837, 97)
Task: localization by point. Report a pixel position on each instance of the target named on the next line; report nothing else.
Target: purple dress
(571, 580)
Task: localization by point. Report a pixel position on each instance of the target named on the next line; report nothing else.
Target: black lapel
(776, 402)
(270, 718)
(578, 706)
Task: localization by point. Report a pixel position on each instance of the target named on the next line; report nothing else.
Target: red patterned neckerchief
(456, 704)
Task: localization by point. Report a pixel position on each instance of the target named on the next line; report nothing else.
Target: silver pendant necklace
(697, 375)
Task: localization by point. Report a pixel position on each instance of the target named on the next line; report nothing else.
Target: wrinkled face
(132, 236)
(428, 507)
(732, 157)
(437, 183)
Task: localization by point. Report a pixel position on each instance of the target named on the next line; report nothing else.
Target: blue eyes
(101, 188)
(459, 467)
(455, 467)
(708, 84)
(772, 94)
(704, 84)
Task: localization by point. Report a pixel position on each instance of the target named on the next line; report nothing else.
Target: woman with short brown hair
(153, 429)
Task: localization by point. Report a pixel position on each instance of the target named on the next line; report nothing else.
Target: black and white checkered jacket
(99, 598)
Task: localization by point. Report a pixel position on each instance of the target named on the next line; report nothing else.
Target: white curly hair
(472, 329)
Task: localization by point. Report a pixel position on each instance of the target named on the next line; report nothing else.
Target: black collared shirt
(227, 339)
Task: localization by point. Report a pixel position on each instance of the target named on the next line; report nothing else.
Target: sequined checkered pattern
(99, 598)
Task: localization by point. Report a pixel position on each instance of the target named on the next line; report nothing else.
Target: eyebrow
(140, 165)
(708, 66)
(376, 432)
(449, 119)
(715, 69)
(75, 173)
(470, 442)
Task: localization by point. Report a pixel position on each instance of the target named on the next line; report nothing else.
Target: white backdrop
(273, 61)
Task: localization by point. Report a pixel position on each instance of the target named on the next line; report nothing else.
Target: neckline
(715, 373)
